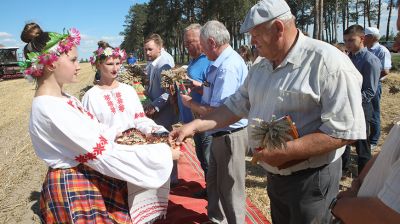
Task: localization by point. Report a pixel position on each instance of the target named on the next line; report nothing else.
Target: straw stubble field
(22, 172)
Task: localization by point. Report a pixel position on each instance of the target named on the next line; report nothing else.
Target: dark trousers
(376, 116)
(174, 173)
(202, 143)
(304, 197)
(363, 146)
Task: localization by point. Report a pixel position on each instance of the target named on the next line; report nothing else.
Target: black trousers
(304, 196)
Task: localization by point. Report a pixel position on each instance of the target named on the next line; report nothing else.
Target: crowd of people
(332, 94)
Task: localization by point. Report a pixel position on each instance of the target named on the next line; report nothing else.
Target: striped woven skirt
(83, 195)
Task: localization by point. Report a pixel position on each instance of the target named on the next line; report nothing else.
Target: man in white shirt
(168, 56)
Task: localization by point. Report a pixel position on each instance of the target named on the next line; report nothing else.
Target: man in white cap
(371, 41)
(314, 83)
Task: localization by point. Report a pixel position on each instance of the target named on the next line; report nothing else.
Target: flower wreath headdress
(102, 53)
(57, 45)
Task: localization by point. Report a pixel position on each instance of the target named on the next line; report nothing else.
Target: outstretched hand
(180, 134)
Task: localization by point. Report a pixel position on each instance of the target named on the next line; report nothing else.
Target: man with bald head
(319, 88)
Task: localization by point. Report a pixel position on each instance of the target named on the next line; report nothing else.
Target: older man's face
(369, 40)
(192, 42)
(264, 39)
(208, 49)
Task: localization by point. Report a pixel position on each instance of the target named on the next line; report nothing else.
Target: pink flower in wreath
(92, 60)
(100, 51)
(47, 59)
(75, 36)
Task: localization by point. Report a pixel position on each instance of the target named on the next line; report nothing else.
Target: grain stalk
(274, 134)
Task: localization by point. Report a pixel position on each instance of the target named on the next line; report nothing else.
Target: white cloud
(112, 38)
(90, 42)
(87, 46)
(8, 40)
(11, 42)
(84, 36)
(114, 41)
(5, 35)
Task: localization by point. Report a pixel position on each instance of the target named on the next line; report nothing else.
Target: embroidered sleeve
(78, 137)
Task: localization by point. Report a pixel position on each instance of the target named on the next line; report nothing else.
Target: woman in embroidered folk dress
(88, 171)
(117, 105)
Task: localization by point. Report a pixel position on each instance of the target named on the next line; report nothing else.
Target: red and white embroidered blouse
(64, 135)
(119, 108)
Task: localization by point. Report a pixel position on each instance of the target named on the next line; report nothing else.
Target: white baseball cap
(264, 11)
(372, 31)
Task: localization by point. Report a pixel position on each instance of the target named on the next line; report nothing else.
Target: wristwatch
(333, 203)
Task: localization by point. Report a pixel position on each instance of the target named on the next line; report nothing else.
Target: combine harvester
(9, 63)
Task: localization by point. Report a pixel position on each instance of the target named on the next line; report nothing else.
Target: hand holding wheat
(273, 135)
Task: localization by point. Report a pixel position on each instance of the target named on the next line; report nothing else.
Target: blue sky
(96, 20)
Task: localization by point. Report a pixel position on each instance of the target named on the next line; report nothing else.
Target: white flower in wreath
(108, 52)
(54, 49)
(121, 53)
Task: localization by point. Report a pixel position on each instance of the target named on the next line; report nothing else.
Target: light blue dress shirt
(225, 75)
(383, 54)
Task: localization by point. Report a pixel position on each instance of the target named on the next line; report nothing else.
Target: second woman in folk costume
(117, 105)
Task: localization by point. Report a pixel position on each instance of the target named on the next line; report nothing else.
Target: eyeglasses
(190, 42)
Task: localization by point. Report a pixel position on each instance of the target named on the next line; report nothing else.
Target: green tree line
(170, 17)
